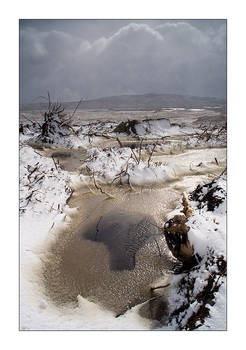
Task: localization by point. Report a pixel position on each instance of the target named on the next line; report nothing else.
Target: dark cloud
(101, 58)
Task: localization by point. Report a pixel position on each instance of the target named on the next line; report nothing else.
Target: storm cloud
(93, 58)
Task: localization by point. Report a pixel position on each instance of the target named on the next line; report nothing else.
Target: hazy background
(96, 58)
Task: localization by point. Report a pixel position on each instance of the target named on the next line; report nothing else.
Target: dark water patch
(113, 251)
(61, 155)
(112, 261)
(123, 234)
(68, 159)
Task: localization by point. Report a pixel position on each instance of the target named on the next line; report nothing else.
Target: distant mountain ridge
(137, 102)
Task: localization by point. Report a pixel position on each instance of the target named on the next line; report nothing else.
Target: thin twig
(36, 168)
(223, 172)
(77, 107)
(99, 188)
(52, 226)
(151, 155)
(32, 121)
(49, 102)
(120, 143)
(38, 153)
(54, 162)
(135, 157)
(140, 150)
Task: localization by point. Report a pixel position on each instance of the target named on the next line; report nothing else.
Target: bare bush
(212, 132)
(56, 123)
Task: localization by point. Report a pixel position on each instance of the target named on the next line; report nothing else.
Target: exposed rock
(205, 273)
(127, 127)
(176, 233)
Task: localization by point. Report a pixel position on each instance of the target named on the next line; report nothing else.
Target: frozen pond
(113, 252)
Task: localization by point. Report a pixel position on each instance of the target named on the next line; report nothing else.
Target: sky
(89, 59)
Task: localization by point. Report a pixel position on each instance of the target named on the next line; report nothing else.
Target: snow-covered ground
(45, 188)
(200, 298)
(44, 211)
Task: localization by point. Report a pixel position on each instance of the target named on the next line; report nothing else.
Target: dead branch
(135, 157)
(54, 162)
(223, 172)
(70, 127)
(30, 174)
(140, 150)
(39, 179)
(99, 188)
(49, 102)
(120, 143)
(38, 153)
(151, 155)
(118, 176)
(129, 182)
(32, 121)
(77, 107)
(28, 198)
(52, 226)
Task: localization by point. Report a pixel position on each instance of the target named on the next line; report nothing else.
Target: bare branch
(140, 150)
(135, 157)
(49, 106)
(77, 107)
(151, 154)
(54, 162)
(120, 143)
(99, 188)
(32, 121)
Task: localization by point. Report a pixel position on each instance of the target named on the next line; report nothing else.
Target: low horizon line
(124, 94)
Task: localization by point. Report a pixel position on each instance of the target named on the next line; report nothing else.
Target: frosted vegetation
(165, 180)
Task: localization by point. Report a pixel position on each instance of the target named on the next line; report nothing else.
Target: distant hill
(137, 102)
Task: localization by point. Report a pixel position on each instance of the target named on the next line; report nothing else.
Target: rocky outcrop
(128, 127)
(176, 234)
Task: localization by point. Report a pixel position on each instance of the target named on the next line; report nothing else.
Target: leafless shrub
(210, 131)
(56, 123)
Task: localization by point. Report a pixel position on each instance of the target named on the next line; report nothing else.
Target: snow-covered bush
(200, 292)
(56, 125)
(124, 166)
